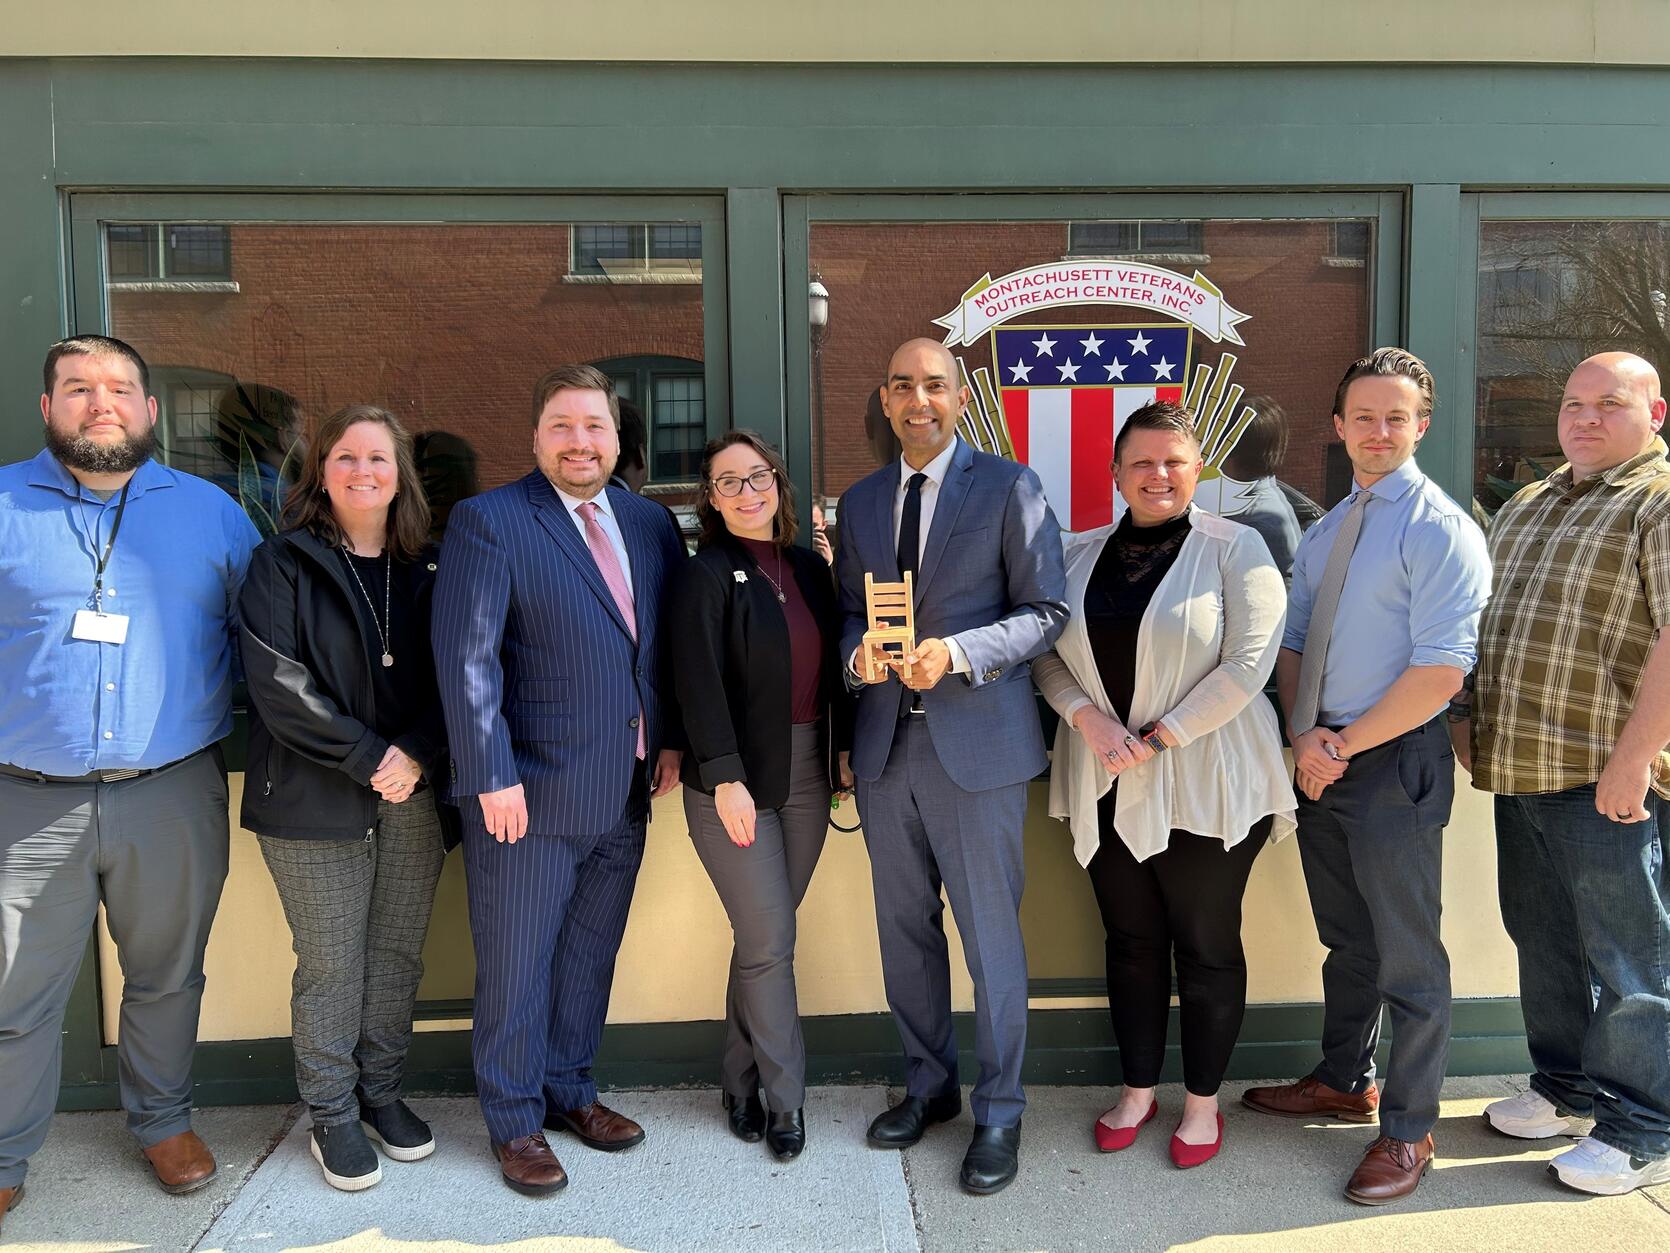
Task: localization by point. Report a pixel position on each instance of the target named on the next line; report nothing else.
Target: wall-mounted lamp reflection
(817, 307)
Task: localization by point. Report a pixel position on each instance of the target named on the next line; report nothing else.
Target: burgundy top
(805, 639)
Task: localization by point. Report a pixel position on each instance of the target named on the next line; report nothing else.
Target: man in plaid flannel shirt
(1568, 723)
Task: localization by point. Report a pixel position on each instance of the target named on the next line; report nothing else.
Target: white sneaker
(1605, 1171)
(1531, 1116)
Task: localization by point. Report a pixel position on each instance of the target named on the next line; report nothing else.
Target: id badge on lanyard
(94, 624)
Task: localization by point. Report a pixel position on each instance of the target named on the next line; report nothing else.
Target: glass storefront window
(447, 326)
(1062, 328)
(1551, 293)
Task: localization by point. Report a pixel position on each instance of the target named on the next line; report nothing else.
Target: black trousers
(1183, 904)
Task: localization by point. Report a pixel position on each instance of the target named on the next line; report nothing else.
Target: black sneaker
(404, 1136)
(346, 1156)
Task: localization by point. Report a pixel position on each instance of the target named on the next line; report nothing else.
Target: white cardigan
(1206, 647)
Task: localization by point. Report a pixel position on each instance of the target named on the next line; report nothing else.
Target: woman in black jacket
(346, 742)
(761, 691)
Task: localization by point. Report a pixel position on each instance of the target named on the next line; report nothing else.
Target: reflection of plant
(262, 497)
(1218, 425)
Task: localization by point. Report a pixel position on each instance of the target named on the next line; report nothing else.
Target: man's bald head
(923, 399)
(1611, 411)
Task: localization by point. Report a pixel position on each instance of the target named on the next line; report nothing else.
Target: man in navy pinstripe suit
(548, 650)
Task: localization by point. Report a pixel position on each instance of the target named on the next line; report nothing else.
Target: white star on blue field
(1076, 356)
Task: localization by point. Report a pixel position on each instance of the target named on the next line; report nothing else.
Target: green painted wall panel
(32, 311)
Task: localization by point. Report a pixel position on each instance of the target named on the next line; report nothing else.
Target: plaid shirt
(1582, 586)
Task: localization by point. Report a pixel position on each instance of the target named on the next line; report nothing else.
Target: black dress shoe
(747, 1116)
(785, 1135)
(992, 1159)
(903, 1125)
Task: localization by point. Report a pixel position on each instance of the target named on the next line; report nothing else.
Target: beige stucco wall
(672, 964)
(1612, 32)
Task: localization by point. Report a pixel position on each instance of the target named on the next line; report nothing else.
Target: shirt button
(632, 723)
(109, 735)
(110, 591)
(110, 687)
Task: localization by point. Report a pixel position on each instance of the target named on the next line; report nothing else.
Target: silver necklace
(776, 584)
(388, 583)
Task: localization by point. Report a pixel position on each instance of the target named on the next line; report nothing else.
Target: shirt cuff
(1072, 710)
(959, 659)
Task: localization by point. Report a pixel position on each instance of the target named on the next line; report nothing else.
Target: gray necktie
(1307, 699)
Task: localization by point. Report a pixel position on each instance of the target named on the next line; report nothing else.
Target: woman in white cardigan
(1168, 763)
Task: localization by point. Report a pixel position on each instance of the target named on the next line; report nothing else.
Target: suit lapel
(959, 477)
(888, 488)
(637, 548)
(548, 508)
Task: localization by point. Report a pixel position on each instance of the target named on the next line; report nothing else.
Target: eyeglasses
(759, 480)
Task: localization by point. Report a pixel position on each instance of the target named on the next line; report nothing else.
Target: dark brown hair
(92, 346)
(1159, 415)
(712, 522)
(308, 506)
(580, 378)
(1388, 363)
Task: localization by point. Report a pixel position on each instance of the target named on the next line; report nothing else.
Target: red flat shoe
(1183, 1156)
(1112, 1139)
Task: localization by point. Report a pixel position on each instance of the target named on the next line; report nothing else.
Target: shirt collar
(573, 503)
(47, 471)
(935, 469)
(1396, 485)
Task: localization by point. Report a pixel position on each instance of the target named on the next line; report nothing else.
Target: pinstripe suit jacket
(540, 678)
(992, 576)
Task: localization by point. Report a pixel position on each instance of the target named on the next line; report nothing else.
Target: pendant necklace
(776, 584)
(383, 626)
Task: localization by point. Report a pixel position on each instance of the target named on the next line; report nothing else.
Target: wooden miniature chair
(892, 616)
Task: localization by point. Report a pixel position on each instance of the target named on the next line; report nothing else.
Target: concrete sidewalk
(693, 1187)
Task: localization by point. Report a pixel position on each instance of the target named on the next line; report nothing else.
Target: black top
(1132, 565)
(732, 664)
(318, 726)
(395, 688)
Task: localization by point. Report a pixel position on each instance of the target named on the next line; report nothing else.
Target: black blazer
(312, 746)
(731, 669)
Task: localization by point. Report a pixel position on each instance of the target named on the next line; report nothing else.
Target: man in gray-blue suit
(942, 759)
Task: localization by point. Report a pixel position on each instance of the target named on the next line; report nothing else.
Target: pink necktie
(603, 553)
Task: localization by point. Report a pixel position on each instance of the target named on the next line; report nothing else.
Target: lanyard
(109, 547)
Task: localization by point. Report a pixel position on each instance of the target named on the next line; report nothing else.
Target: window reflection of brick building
(1308, 313)
(446, 326)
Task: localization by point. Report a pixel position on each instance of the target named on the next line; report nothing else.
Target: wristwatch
(1151, 737)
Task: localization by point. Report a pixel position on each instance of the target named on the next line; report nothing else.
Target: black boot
(903, 1125)
(785, 1134)
(746, 1116)
(992, 1159)
(346, 1156)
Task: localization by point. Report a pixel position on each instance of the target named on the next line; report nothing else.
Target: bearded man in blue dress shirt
(118, 578)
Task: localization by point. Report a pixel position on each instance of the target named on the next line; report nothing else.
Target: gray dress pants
(761, 886)
(358, 912)
(154, 850)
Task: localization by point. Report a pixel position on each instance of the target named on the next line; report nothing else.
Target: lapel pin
(741, 576)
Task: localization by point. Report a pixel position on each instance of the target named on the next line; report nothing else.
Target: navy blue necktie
(910, 526)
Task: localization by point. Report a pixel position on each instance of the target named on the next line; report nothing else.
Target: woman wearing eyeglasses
(760, 686)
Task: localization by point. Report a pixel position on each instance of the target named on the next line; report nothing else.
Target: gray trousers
(154, 850)
(925, 832)
(358, 912)
(761, 886)
(1373, 852)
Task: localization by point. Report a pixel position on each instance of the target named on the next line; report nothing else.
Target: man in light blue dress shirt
(118, 578)
(1382, 626)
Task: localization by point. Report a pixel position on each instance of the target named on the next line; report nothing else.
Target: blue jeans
(1586, 900)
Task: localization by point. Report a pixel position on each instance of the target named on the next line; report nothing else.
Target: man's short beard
(80, 453)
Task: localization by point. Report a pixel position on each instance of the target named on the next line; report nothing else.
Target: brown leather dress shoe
(9, 1197)
(182, 1162)
(1389, 1171)
(1311, 1098)
(597, 1127)
(529, 1166)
